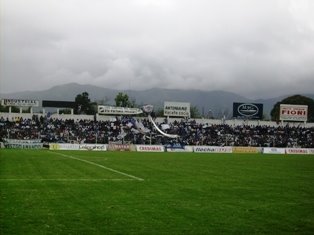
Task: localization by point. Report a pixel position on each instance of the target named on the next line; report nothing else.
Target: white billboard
(118, 110)
(274, 150)
(20, 103)
(289, 112)
(177, 109)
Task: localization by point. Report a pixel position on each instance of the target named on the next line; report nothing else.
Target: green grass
(43, 192)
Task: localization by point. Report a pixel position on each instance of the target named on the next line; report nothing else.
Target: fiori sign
(289, 112)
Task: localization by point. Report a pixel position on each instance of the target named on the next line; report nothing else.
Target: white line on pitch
(101, 166)
(66, 179)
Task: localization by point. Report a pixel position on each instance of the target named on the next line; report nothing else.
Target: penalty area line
(101, 166)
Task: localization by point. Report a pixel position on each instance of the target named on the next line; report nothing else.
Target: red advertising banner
(119, 147)
(289, 112)
(150, 148)
(296, 151)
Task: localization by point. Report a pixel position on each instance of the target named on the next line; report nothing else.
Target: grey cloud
(255, 48)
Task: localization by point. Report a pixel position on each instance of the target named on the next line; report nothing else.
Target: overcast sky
(256, 48)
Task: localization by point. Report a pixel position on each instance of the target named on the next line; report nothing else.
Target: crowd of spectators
(131, 130)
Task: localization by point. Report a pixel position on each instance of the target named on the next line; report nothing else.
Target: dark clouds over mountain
(254, 48)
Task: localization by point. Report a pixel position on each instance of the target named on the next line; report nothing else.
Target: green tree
(122, 100)
(295, 99)
(195, 113)
(83, 105)
(159, 112)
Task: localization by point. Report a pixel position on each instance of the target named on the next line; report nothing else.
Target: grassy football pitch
(85, 192)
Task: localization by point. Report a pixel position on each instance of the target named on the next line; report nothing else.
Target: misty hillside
(219, 102)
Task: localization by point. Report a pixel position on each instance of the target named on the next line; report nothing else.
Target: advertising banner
(58, 104)
(69, 146)
(20, 103)
(248, 110)
(212, 149)
(119, 147)
(289, 112)
(93, 147)
(176, 109)
(25, 144)
(118, 110)
(246, 150)
(175, 147)
(150, 148)
(297, 151)
(274, 150)
(310, 151)
(61, 146)
(54, 146)
(183, 149)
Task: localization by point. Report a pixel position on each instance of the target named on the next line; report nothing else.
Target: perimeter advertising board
(93, 147)
(289, 112)
(248, 110)
(185, 149)
(297, 151)
(20, 103)
(150, 148)
(68, 146)
(246, 150)
(268, 150)
(119, 147)
(65, 146)
(177, 109)
(178, 148)
(212, 149)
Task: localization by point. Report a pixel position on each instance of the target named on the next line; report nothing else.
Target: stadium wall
(196, 149)
(35, 144)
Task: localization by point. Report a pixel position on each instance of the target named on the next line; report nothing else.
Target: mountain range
(219, 103)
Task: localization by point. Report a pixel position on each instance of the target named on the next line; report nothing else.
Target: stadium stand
(125, 129)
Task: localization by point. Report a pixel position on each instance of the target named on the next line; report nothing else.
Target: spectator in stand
(190, 132)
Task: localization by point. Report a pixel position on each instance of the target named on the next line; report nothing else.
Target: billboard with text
(118, 110)
(20, 103)
(58, 104)
(290, 112)
(177, 109)
(248, 110)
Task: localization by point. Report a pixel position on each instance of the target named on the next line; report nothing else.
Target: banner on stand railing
(212, 149)
(150, 148)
